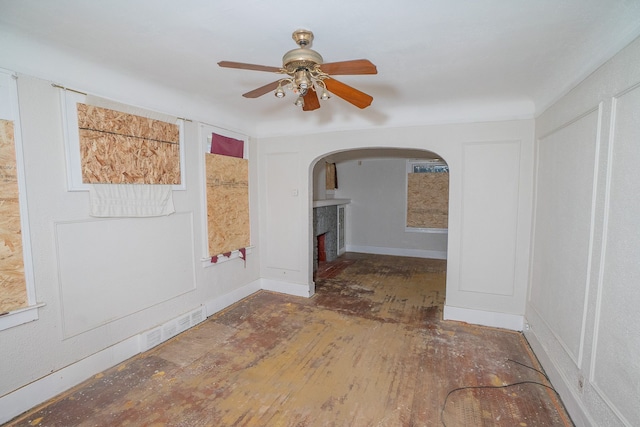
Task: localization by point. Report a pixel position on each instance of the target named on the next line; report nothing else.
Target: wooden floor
(369, 349)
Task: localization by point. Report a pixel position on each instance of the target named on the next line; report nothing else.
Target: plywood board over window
(13, 291)
(227, 203)
(121, 143)
(428, 200)
(121, 148)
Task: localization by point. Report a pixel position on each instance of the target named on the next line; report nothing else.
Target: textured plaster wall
(37, 349)
(584, 295)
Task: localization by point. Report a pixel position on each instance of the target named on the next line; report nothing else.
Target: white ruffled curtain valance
(130, 200)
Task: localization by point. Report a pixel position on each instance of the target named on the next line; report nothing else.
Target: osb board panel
(13, 291)
(428, 200)
(331, 176)
(227, 203)
(120, 148)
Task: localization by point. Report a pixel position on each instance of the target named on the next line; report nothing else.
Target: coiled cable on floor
(444, 405)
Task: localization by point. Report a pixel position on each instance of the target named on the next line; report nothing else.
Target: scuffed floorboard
(369, 349)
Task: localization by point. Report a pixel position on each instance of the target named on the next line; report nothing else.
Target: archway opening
(367, 201)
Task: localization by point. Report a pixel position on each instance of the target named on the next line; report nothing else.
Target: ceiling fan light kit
(307, 75)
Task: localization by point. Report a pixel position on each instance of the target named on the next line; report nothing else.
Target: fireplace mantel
(330, 202)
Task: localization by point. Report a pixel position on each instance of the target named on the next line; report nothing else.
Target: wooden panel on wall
(428, 200)
(13, 291)
(331, 176)
(120, 148)
(227, 203)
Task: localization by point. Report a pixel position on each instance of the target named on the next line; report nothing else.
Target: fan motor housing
(301, 58)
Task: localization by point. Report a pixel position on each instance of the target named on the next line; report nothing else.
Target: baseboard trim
(45, 388)
(33, 394)
(289, 288)
(416, 253)
(215, 305)
(571, 402)
(513, 322)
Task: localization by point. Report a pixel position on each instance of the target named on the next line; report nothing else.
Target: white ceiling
(438, 60)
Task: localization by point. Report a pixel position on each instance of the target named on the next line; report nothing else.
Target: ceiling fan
(306, 75)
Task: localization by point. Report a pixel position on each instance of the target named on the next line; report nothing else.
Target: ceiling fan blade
(262, 90)
(243, 66)
(349, 94)
(311, 101)
(356, 66)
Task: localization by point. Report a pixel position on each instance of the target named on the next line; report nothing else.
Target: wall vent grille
(173, 327)
(152, 338)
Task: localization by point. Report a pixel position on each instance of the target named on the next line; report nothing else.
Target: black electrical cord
(444, 405)
(530, 367)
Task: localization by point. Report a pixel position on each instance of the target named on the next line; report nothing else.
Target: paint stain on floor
(369, 349)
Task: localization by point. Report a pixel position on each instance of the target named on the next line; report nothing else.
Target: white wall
(120, 265)
(584, 295)
(583, 277)
(489, 213)
(320, 191)
(376, 215)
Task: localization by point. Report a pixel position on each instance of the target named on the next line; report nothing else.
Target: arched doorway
(373, 192)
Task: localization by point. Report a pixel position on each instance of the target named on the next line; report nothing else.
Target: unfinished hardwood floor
(369, 349)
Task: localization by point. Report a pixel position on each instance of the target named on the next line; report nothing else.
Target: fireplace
(325, 225)
(322, 250)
